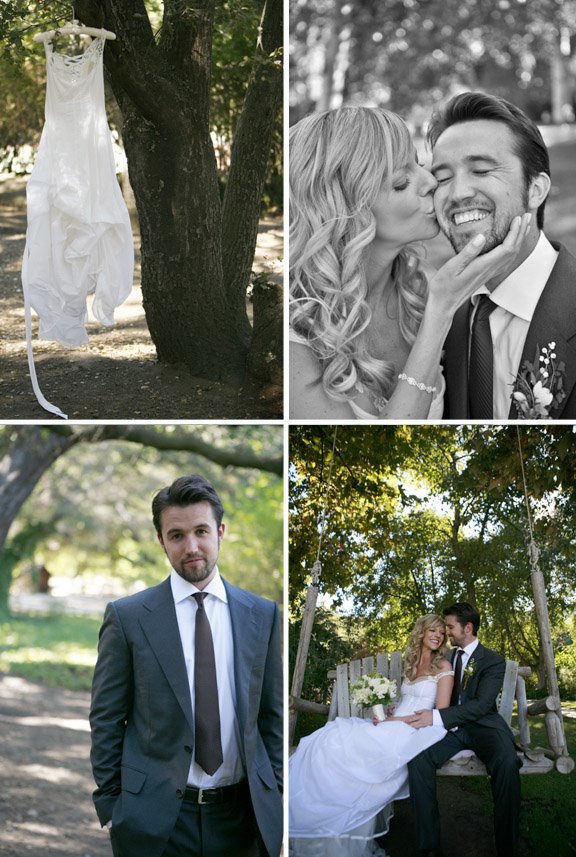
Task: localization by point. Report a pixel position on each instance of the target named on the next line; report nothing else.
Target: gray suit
(142, 724)
(554, 320)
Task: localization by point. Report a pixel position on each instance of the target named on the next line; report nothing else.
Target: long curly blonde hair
(414, 645)
(339, 160)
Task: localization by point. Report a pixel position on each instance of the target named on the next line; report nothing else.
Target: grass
(58, 650)
(548, 816)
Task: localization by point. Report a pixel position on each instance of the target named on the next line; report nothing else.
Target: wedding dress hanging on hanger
(79, 238)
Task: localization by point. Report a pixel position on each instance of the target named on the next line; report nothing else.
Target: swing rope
(555, 730)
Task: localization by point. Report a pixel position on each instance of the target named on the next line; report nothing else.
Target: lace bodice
(420, 693)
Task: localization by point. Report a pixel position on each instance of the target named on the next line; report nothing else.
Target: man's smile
(469, 215)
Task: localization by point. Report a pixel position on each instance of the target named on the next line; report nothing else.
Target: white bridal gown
(79, 238)
(344, 777)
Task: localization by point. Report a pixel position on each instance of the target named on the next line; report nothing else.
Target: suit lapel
(245, 632)
(456, 364)
(160, 626)
(554, 321)
(476, 656)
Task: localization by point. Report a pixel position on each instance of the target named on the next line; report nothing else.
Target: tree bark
(162, 86)
(250, 156)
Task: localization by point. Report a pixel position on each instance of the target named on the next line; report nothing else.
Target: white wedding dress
(344, 777)
(79, 238)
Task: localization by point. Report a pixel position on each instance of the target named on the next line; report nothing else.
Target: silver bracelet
(414, 383)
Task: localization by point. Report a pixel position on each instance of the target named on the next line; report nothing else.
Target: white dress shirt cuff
(436, 718)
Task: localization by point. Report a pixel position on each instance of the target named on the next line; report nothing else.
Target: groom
(474, 724)
(491, 164)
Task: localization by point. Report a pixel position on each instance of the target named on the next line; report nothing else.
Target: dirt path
(46, 781)
(116, 375)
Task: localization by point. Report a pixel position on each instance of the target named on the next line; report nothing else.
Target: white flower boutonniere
(469, 671)
(538, 387)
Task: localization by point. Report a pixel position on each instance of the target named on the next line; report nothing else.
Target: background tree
(408, 55)
(81, 495)
(197, 250)
(421, 516)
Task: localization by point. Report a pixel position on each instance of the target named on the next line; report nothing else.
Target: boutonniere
(539, 387)
(469, 671)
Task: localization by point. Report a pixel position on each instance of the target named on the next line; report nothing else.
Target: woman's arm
(453, 284)
(444, 691)
(307, 398)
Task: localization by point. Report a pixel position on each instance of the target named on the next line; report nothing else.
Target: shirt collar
(181, 589)
(471, 647)
(519, 293)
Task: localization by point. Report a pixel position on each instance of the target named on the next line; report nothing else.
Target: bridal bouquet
(373, 689)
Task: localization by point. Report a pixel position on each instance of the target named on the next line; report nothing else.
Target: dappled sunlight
(62, 723)
(50, 774)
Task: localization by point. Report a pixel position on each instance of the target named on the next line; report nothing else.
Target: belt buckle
(201, 797)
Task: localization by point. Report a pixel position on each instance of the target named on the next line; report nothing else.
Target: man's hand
(420, 719)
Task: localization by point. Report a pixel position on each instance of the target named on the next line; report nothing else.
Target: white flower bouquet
(373, 689)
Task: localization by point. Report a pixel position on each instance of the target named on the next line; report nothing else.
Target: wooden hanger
(74, 28)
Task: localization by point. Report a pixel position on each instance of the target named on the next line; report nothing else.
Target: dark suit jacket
(554, 320)
(478, 693)
(142, 725)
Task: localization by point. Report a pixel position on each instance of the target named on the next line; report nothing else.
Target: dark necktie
(457, 678)
(480, 376)
(207, 740)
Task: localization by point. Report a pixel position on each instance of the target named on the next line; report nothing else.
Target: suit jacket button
(188, 748)
(179, 793)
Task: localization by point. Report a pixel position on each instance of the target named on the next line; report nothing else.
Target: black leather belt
(223, 794)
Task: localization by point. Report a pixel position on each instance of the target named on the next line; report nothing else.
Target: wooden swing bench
(534, 761)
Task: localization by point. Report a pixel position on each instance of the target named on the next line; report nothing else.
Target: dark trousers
(215, 830)
(496, 749)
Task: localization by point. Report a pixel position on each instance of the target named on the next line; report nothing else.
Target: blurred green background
(85, 536)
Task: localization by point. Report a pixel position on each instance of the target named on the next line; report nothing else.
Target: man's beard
(494, 237)
(198, 572)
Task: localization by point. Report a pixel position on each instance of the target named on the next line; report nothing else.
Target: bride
(366, 329)
(344, 776)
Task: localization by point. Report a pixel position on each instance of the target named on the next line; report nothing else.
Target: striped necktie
(481, 373)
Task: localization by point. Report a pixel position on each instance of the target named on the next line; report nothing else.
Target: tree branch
(176, 440)
(133, 59)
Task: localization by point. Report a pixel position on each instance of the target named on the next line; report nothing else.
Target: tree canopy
(420, 516)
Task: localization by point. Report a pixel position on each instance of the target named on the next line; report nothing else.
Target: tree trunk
(250, 157)
(173, 173)
(196, 315)
(32, 451)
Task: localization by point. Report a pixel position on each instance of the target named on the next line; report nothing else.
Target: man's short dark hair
(529, 145)
(465, 613)
(184, 492)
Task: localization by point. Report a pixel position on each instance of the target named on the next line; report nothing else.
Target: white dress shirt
(216, 606)
(471, 647)
(516, 298)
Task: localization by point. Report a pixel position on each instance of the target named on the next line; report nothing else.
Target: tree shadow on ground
(46, 781)
(116, 375)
